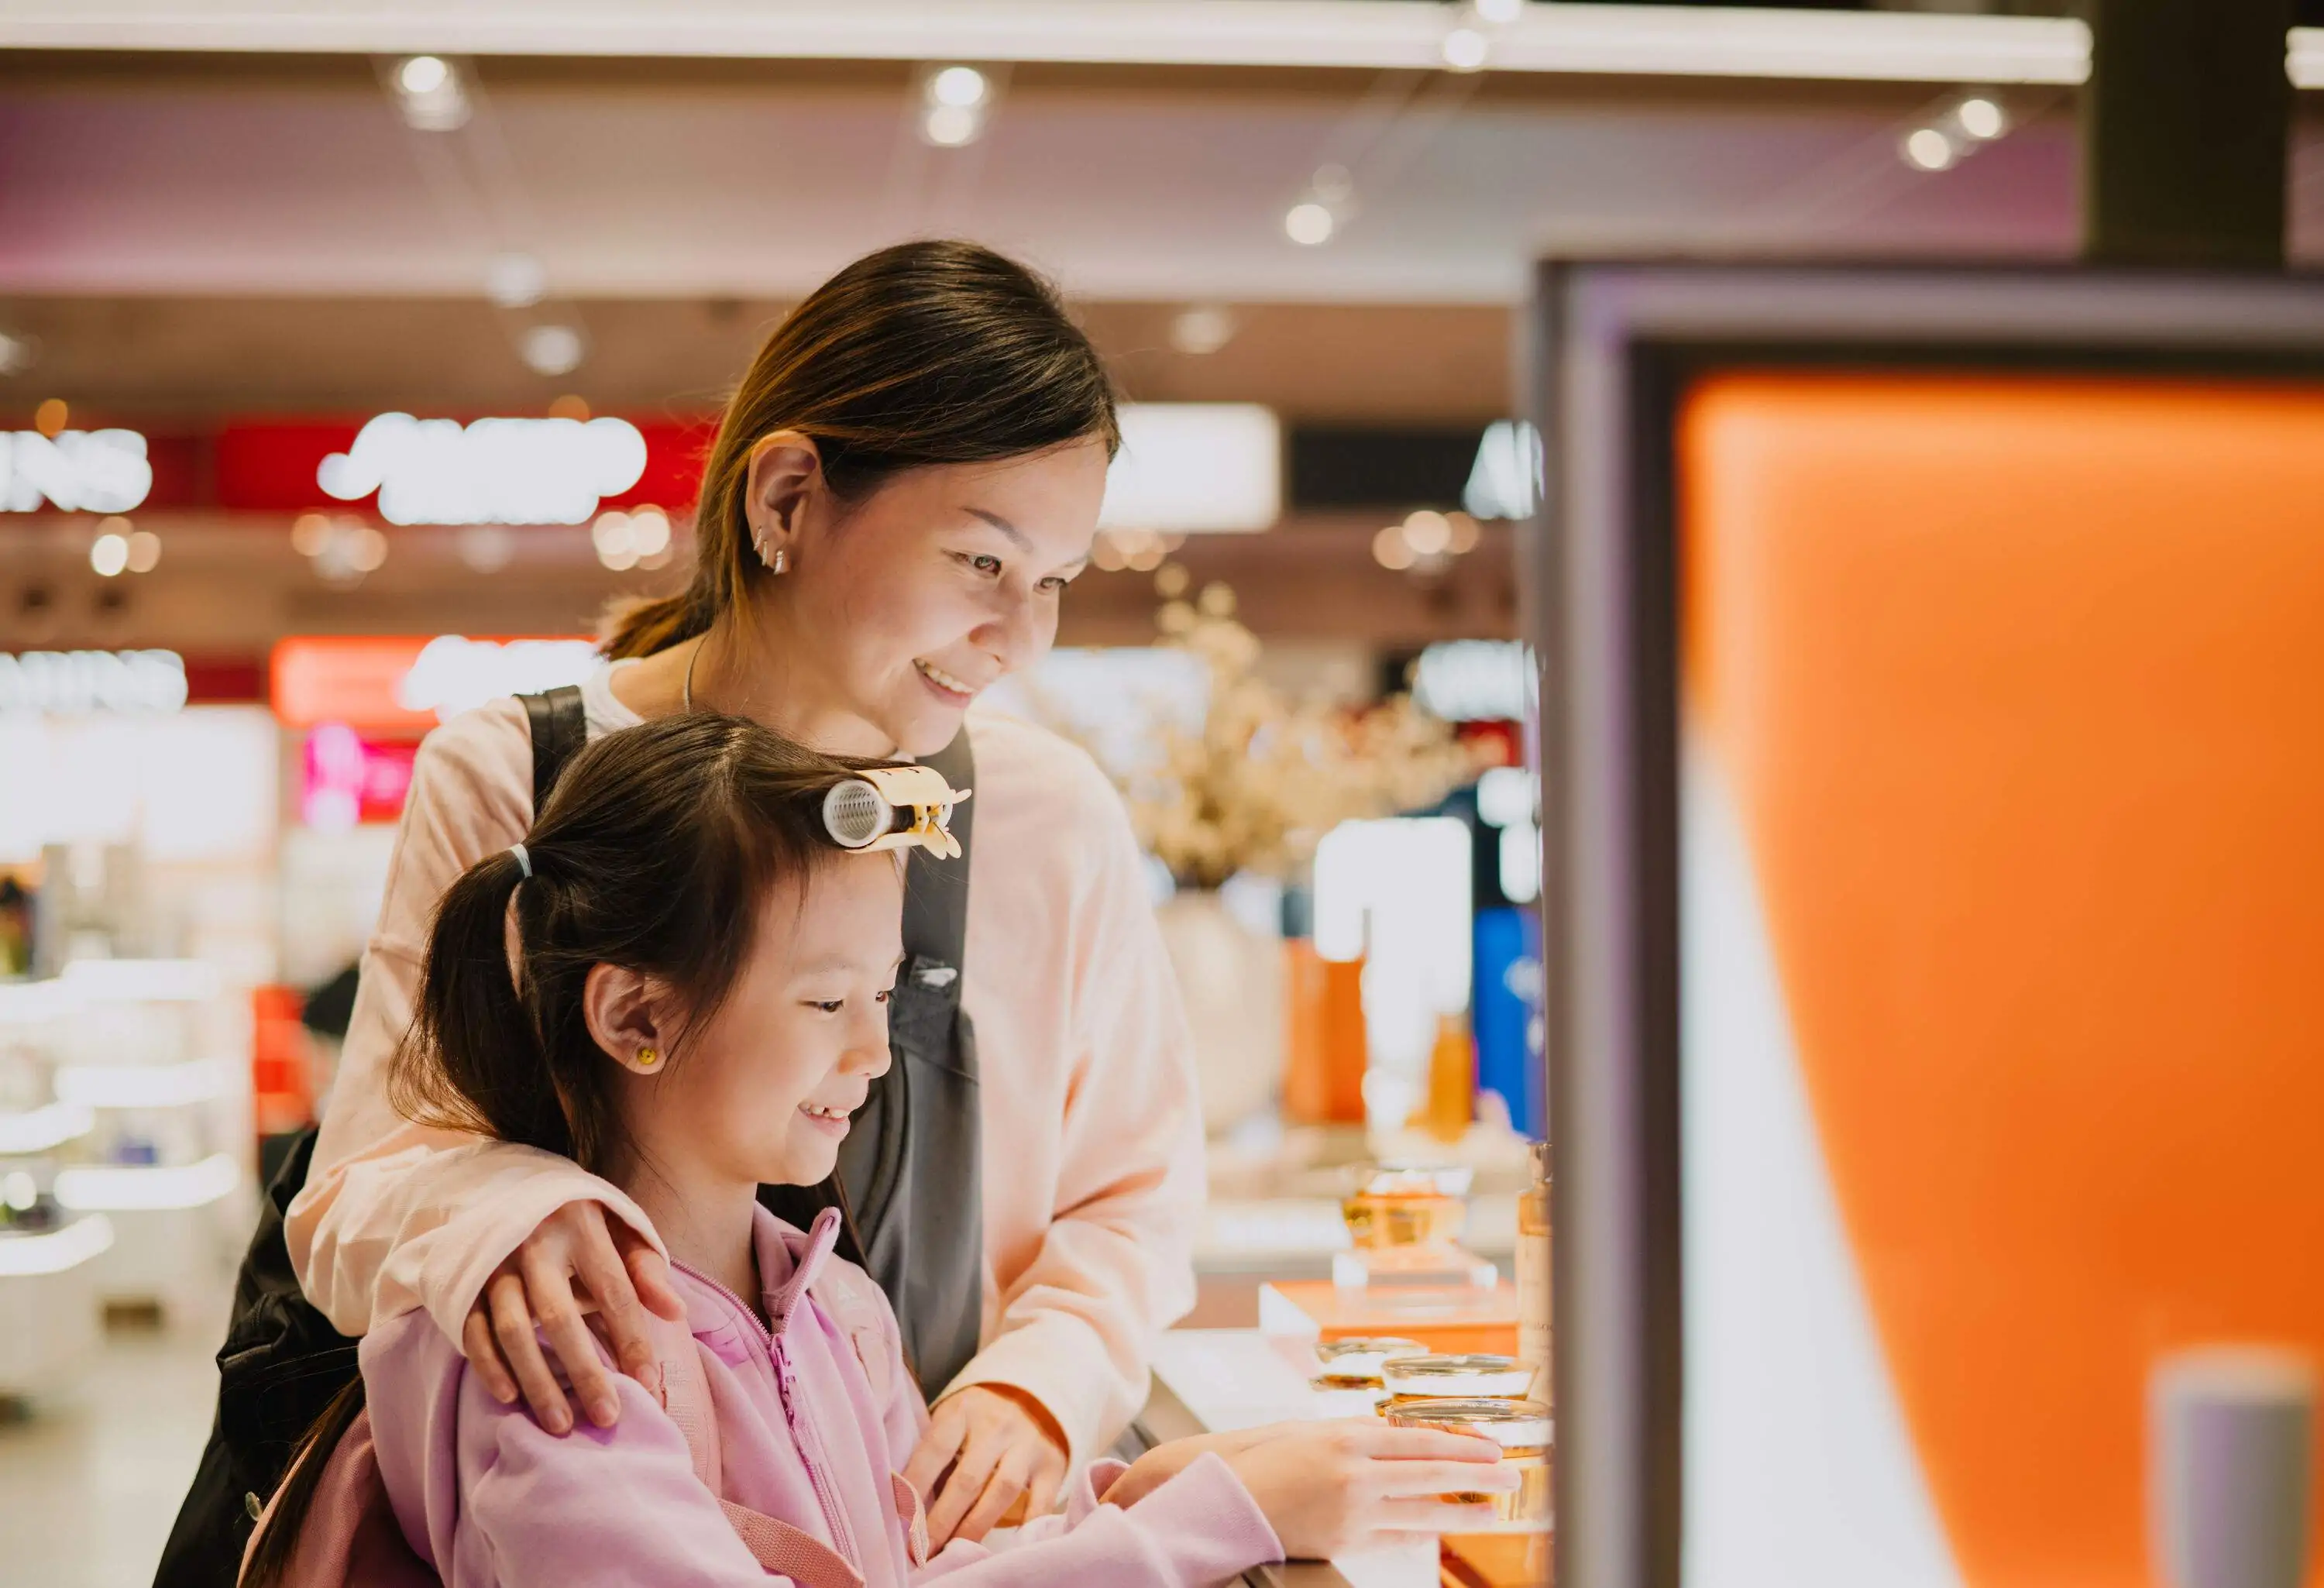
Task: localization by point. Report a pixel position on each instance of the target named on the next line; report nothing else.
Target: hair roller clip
(894, 807)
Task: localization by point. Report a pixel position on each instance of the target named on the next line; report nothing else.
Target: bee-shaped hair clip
(894, 807)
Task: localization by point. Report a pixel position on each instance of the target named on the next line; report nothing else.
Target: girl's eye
(831, 1005)
(984, 562)
(885, 995)
(1055, 584)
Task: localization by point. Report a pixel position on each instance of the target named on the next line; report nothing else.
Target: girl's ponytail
(474, 1058)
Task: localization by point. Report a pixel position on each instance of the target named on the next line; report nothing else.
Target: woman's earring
(780, 562)
(649, 1060)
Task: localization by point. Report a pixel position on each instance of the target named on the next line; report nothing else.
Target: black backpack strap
(560, 726)
(910, 1172)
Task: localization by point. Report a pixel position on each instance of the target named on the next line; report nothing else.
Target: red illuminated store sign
(470, 470)
(281, 466)
(402, 685)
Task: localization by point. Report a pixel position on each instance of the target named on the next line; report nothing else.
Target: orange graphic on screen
(2019, 684)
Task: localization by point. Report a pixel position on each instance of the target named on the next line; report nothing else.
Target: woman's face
(762, 1093)
(898, 610)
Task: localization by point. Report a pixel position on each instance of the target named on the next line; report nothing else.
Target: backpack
(910, 1169)
(349, 1537)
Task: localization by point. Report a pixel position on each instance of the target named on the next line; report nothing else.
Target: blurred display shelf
(1296, 1237)
(140, 981)
(128, 1188)
(50, 1317)
(38, 1255)
(38, 1130)
(145, 1085)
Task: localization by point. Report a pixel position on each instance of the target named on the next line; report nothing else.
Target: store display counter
(1211, 1381)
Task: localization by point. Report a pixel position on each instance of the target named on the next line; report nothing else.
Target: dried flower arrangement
(1259, 782)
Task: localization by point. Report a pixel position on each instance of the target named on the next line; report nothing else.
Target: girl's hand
(987, 1448)
(619, 1276)
(1331, 1488)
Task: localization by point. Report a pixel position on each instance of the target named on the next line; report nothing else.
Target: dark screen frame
(1613, 348)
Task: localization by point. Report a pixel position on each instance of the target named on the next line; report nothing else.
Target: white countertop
(1239, 1378)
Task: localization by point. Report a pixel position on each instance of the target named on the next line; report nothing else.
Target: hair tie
(523, 859)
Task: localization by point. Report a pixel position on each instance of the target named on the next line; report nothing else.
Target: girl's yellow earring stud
(649, 1059)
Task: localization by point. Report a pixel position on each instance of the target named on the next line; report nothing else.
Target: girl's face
(897, 610)
(762, 1093)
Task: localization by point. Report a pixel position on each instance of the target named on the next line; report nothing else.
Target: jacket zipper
(787, 1390)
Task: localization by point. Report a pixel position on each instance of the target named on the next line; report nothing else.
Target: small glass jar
(1523, 1431)
(1409, 1378)
(1396, 1206)
(1356, 1362)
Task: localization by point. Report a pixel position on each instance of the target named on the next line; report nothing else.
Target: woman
(901, 488)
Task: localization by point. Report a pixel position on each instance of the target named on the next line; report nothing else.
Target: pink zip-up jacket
(1092, 1153)
(815, 1417)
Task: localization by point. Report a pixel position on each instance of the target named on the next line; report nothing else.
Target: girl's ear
(628, 1017)
(785, 470)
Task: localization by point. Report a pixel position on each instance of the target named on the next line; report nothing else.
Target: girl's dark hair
(923, 353)
(653, 854)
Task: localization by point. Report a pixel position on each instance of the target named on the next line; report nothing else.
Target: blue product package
(1507, 1017)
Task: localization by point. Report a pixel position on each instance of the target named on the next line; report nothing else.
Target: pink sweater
(1092, 1164)
(814, 1417)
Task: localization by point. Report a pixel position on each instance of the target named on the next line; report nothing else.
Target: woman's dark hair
(924, 352)
(654, 853)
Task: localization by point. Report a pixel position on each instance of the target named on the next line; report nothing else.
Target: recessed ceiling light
(1308, 224)
(1982, 118)
(1928, 150)
(551, 349)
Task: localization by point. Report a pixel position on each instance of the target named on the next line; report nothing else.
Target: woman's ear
(786, 470)
(628, 1017)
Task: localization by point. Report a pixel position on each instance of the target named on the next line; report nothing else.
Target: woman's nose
(1017, 634)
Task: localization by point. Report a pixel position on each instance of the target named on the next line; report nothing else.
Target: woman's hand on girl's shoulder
(578, 1272)
(1330, 1488)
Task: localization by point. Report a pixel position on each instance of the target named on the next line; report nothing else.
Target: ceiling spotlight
(17, 352)
(949, 127)
(1427, 532)
(550, 349)
(1981, 118)
(1927, 149)
(615, 547)
(1498, 12)
(515, 281)
(422, 74)
(1203, 329)
(108, 554)
(428, 91)
(958, 85)
(1465, 50)
(145, 551)
(1308, 224)
(1391, 551)
(955, 103)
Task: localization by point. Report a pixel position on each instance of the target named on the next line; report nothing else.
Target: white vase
(1231, 980)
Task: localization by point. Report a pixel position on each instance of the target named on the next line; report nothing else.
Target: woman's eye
(830, 1005)
(1055, 584)
(984, 562)
(886, 994)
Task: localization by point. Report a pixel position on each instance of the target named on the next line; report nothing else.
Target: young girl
(697, 1003)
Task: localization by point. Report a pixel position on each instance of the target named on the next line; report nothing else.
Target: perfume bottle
(1534, 1290)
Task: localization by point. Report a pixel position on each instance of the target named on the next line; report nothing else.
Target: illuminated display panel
(2002, 906)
